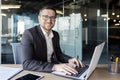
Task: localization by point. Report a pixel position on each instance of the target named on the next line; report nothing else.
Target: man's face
(47, 19)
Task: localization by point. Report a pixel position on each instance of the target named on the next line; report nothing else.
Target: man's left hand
(75, 63)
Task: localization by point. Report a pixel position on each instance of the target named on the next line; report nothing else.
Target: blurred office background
(82, 24)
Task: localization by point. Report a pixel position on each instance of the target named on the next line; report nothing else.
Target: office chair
(16, 48)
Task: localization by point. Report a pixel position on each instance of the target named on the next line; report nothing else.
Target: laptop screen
(95, 58)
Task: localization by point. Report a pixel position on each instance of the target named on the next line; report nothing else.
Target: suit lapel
(42, 40)
(54, 56)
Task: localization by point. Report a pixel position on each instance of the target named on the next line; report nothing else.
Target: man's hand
(75, 62)
(65, 68)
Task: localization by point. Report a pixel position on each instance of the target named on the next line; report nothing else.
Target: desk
(100, 73)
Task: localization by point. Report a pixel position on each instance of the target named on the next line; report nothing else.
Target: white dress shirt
(49, 44)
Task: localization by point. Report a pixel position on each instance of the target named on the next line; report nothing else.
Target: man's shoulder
(54, 32)
(32, 29)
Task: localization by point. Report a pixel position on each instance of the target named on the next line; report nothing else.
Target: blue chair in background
(16, 48)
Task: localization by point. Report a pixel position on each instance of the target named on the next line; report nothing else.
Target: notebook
(93, 63)
(6, 73)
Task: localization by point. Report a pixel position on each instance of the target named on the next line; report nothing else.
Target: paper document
(7, 72)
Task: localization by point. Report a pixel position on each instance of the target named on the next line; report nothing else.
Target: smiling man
(41, 49)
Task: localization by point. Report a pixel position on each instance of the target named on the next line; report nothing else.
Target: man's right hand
(65, 68)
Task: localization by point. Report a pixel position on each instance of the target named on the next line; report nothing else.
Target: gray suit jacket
(34, 50)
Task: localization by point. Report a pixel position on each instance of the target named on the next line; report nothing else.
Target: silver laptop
(94, 61)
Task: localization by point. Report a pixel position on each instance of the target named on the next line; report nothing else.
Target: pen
(116, 59)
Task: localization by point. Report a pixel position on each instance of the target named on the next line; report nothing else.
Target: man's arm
(29, 62)
(60, 55)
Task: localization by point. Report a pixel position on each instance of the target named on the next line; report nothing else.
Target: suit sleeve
(62, 57)
(29, 62)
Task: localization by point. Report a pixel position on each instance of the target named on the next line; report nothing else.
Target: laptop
(89, 69)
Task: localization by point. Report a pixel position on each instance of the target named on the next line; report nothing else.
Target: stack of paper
(7, 72)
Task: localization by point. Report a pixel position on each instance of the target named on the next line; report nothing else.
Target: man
(40, 47)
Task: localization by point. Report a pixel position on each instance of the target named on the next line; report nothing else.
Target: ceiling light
(59, 12)
(10, 6)
(85, 19)
(85, 15)
(117, 24)
(108, 18)
(98, 12)
(104, 19)
(118, 15)
(113, 13)
(3, 14)
(114, 20)
(104, 15)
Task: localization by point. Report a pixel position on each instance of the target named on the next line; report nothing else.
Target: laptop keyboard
(80, 71)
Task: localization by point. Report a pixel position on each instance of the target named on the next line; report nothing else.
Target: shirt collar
(45, 34)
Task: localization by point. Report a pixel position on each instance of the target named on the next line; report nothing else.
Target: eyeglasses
(46, 17)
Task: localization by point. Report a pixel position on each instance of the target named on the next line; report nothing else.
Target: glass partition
(87, 28)
(70, 29)
(0, 31)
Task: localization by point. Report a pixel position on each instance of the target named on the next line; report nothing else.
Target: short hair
(47, 7)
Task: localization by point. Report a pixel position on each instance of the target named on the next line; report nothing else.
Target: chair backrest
(16, 48)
